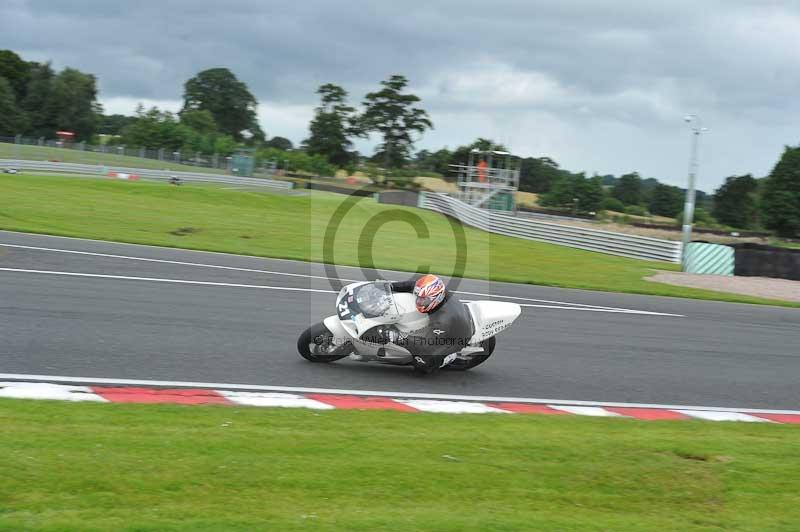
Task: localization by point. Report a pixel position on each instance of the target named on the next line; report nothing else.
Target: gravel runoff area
(752, 286)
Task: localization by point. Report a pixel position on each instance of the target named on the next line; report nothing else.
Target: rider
(449, 325)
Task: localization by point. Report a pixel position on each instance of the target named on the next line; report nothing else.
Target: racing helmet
(430, 292)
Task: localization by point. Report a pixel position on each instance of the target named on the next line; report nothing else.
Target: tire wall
(709, 259)
(753, 260)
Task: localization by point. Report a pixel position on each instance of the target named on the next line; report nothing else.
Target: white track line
(590, 309)
(131, 244)
(309, 276)
(517, 298)
(177, 281)
(372, 393)
(266, 287)
(605, 309)
(178, 262)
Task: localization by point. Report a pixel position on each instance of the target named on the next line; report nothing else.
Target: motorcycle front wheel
(316, 345)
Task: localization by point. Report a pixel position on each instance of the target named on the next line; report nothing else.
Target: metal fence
(143, 173)
(20, 147)
(633, 246)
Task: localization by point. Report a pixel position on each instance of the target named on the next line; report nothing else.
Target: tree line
(36, 100)
(218, 116)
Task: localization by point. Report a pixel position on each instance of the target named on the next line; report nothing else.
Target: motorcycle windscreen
(366, 304)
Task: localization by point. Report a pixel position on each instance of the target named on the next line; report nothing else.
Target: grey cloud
(609, 78)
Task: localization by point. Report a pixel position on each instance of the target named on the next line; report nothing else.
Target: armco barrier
(91, 169)
(637, 247)
(399, 197)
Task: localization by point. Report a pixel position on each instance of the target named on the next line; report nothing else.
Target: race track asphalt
(567, 345)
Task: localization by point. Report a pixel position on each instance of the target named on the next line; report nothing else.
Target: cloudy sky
(600, 86)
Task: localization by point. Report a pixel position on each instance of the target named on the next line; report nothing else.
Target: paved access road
(194, 316)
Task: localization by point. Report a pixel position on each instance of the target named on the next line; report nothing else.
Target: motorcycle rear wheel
(488, 346)
(316, 344)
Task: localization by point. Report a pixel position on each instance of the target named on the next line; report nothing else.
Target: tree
(666, 200)
(223, 145)
(648, 185)
(576, 192)
(422, 158)
(333, 124)
(15, 71)
(628, 189)
(391, 113)
(233, 107)
(297, 160)
(44, 102)
(154, 128)
(9, 113)
(538, 174)
(735, 202)
(72, 103)
(113, 124)
(200, 120)
(636, 210)
(461, 154)
(201, 135)
(195, 133)
(612, 204)
(701, 218)
(608, 180)
(438, 161)
(41, 116)
(590, 193)
(281, 143)
(780, 201)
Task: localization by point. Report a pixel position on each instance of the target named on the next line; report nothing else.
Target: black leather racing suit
(448, 331)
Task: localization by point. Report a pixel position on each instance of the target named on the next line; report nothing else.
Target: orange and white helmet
(430, 292)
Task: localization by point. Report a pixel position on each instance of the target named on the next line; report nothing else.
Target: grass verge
(163, 468)
(214, 218)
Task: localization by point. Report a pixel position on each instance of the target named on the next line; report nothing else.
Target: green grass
(44, 153)
(293, 226)
(785, 244)
(140, 468)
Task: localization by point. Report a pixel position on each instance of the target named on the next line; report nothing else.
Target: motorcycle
(363, 306)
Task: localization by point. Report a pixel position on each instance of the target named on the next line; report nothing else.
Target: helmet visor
(425, 302)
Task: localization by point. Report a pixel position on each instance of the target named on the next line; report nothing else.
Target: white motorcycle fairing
(491, 317)
(488, 319)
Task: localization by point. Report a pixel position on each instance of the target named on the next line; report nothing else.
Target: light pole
(688, 207)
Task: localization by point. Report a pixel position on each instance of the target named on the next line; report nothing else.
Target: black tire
(318, 339)
(429, 366)
(488, 346)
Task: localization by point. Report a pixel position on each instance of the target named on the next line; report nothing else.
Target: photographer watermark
(366, 242)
